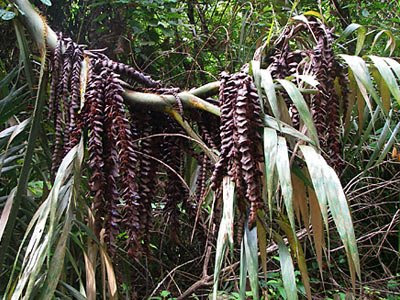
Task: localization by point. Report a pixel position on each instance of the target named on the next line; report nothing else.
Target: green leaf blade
(302, 107)
(287, 269)
(251, 253)
(283, 167)
(387, 75)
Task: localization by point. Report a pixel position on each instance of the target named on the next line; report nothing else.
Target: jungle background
(188, 44)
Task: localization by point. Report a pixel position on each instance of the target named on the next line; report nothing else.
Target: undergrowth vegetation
(221, 150)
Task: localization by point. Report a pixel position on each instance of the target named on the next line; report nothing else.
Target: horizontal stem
(37, 26)
(207, 90)
(161, 102)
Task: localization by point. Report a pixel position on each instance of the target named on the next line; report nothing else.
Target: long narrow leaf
(326, 182)
(317, 227)
(287, 270)
(225, 233)
(269, 89)
(313, 161)
(387, 75)
(389, 144)
(255, 69)
(283, 167)
(23, 179)
(76, 294)
(17, 130)
(37, 246)
(395, 67)
(381, 141)
(8, 78)
(25, 53)
(361, 33)
(301, 106)
(262, 245)
(286, 129)
(361, 73)
(13, 103)
(243, 271)
(300, 201)
(342, 218)
(390, 43)
(351, 101)
(57, 260)
(251, 251)
(298, 254)
(384, 90)
(270, 141)
(6, 212)
(106, 261)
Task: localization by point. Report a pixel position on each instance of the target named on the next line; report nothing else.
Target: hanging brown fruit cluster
(208, 126)
(113, 156)
(65, 96)
(172, 154)
(240, 153)
(320, 62)
(124, 157)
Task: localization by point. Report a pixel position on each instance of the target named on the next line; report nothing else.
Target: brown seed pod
(56, 65)
(320, 62)
(127, 161)
(147, 149)
(95, 124)
(64, 99)
(135, 75)
(75, 96)
(240, 153)
(172, 155)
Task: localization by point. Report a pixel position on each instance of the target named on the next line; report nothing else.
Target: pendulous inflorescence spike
(320, 62)
(240, 155)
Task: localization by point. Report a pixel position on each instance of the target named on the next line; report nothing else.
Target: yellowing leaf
(361, 34)
(328, 188)
(387, 76)
(390, 43)
(363, 78)
(314, 14)
(360, 110)
(283, 111)
(300, 200)
(394, 153)
(317, 226)
(107, 263)
(314, 163)
(351, 101)
(262, 245)
(383, 90)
